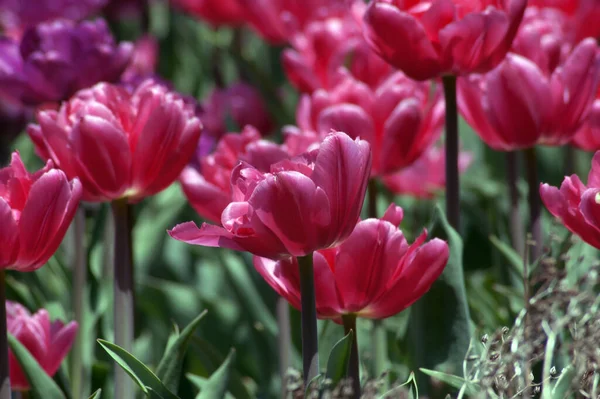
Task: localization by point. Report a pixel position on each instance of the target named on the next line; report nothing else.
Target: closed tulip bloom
(327, 45)
(426, 176)
(401, 118)
(120, 143)
(374, 274)
(55, 59)
(35, 212)
(303, 204)
(215, 12)
(18, 15)
(427, 39)
(206, 181)
(518, 105)
(241, 104)
(588, 136)
(577, 205)
(277, 21)
(48, 342)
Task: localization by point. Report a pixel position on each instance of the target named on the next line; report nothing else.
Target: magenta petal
(394, 214)
(590, 206)
(207, 235)
(61, 341)
(329, 305)
(348, 118)
(594, 175)
(282, 276)
(206, 199)
(9, 235)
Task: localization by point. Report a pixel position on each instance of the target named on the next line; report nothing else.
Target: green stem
(4, 375)
(349, 321)
(79, 269)
(284, 341)
(372, 193)
(516, 222)
(310, 344)
(535, 204)
(123, 292)
(452, 174)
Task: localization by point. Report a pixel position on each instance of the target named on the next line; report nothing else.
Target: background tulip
(588, 136)
(48, 342)
(583, 16)
(400, 118)
(53, 60)
(206, 180)
(306, 203)
(120, 144)
(215, 12)
(426, 39)
(375, 273)
(35, 212)
(576, 205)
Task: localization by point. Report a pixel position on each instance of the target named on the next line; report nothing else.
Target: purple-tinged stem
(516, 221)
(310, 337)
(349, 321)
(4, 375)
(535, 204)
(452, 173)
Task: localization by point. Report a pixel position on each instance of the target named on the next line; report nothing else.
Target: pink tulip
(329, 45)
(588, 136)
(374, 274)
(215, 12)
(306, 203)
(143, 59)
(240, 103)
(120, 144)
(427, 39)
(48, 342)
(576, 205)
(35, 212)
(519, 105)
(583, 16)
(206, 181)
(401, 118)
(426, 176)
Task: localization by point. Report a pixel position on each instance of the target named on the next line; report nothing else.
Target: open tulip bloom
(373, 274)
(303, 204)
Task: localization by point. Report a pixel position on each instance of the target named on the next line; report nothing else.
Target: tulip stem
(516, 225)
(349, 321)
(4, 376)
(372, 193)
(79, 269)
(535, 206)
(452, 174)
(310, 344)
(123, 291)
(284, 341)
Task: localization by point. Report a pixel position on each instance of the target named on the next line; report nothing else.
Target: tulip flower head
(48, 342)
(401, 118)
(373, 274)
(588, 136)
(427, 39)
(215, 12)
(303, 204)
(53, 60)
(120, 143)
(426, 176)
(35, 212)
(576, 205)
(206, 181)
(540, 96)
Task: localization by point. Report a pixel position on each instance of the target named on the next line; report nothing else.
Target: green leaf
(563, 385)
(42, 386)
(515, 260)
(169, 368)
(216, 386)
(453, 380)
(442, 323)
(96, 395)
(339, 357)
(142, 375)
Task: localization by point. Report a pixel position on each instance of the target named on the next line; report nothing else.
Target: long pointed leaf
(216, 386)
(339, 357)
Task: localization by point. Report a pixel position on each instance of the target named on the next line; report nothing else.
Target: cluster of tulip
(377, 82)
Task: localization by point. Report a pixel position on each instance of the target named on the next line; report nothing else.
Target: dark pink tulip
(48, 342)
(306, 203)
(588, 136)
(576, 205)
(427, 39)
(401, 118)
(327, 45)
(35, 212)
(120, 143)
(583, 16)
(374, 273)
(206, 181)
(144, 59)
(215, 12)
(239, 103)
(278, 20)
(518, 105)
(425, 177)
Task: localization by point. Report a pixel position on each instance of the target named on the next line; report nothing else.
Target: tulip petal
(282, 275)
(594, 175)
(590, 206)
(348, 118)
(61, 341)
(9, 235)
(206, 199)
